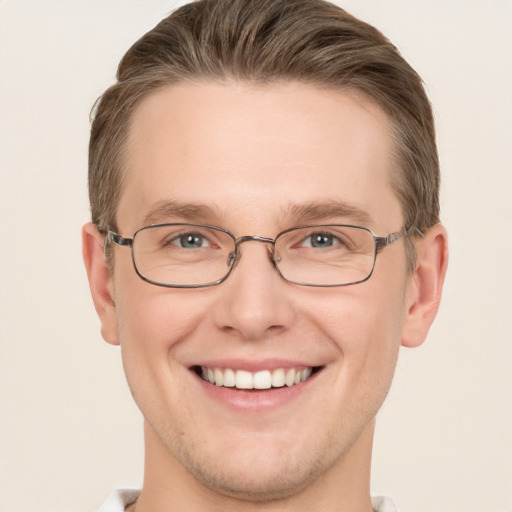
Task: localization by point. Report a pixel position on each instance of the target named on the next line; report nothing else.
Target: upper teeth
(265, 379)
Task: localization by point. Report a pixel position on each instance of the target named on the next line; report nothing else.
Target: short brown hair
(266, 41)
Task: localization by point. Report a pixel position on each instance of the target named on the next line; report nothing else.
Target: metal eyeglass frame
(380, 243)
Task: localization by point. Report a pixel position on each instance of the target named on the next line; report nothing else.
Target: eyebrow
(324, 211)
(292, 215)
(166, 210)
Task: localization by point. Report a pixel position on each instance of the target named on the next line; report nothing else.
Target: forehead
(241, 149)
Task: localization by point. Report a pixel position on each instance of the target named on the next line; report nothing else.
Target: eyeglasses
(198, 255)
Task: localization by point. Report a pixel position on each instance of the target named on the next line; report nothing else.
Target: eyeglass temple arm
(393, 237)
(112, 236)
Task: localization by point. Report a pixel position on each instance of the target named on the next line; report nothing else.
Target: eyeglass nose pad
(275, 257)
(232, 259)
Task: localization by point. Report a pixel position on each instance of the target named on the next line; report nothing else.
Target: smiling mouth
(264, 379)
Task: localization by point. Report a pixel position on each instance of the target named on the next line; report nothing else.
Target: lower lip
(255, 400)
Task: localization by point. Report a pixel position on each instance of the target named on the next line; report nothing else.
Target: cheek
(151, 320)
(152, 324)
(365, 323)
(154, 319)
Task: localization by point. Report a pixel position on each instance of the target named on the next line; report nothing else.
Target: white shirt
(121, 498)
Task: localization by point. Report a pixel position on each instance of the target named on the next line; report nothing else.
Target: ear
(100, 282)
(425, 286)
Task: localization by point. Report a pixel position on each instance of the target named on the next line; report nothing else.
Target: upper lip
(255, 366)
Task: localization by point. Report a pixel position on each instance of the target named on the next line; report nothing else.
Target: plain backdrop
(69, 430)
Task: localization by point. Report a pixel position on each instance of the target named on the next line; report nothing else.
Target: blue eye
(321, 240)
(190, 241)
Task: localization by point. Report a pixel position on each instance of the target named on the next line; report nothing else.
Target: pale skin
(251, 155)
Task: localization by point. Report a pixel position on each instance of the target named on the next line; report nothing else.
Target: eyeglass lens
(195, 255)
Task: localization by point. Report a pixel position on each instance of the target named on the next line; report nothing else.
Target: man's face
(252, 157)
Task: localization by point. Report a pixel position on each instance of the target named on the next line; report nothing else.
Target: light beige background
(69, 430)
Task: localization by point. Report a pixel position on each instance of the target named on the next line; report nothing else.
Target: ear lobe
(425, 287)
(100, 282)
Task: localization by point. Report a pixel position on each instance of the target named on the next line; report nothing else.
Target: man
(265, 236)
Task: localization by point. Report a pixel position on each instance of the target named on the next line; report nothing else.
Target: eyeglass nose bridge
(234, 257)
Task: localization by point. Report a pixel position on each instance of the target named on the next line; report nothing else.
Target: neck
(168, 486)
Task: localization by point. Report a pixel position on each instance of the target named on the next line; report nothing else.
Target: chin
(277, 470)
(256, 482)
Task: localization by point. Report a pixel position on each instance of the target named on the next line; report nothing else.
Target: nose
(255, 302)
